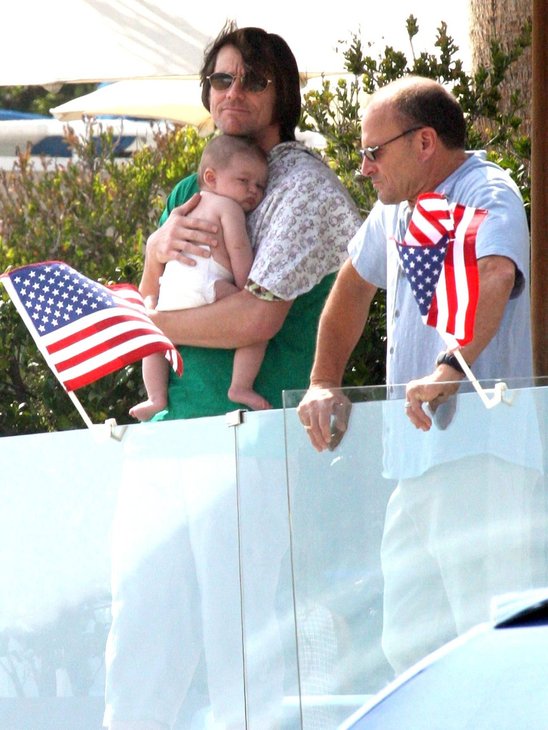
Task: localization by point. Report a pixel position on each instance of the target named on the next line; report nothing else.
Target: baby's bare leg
(247, 363)
(155, 377)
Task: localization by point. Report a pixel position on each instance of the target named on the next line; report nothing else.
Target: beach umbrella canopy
(92, 40)
(153, 49)
(174, 100)
(79, 41)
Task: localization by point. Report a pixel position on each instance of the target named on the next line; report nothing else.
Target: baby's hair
(219, 152)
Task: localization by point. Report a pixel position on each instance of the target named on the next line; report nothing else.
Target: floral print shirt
(301, 229)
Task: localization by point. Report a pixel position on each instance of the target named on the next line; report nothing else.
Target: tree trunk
(502, 20)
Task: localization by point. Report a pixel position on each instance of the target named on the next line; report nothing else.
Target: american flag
(438, 256)
(83, 329)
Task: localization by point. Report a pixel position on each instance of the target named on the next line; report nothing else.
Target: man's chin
(235, 130)
(385, 198)
(232, 125)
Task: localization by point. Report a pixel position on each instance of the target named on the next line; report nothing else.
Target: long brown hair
(267, 54)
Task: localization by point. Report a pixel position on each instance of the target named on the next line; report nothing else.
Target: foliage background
(96, 213)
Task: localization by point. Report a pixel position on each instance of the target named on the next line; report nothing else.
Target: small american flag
(438, 256)
(83, 329)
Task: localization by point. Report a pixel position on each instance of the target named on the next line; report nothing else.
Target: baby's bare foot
(145, 410)
(248, 397)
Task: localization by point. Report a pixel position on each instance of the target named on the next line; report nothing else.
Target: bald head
(413, 132)
(416, 101)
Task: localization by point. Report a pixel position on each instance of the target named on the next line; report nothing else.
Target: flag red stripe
(472, 269)
(101, 347)
(450, 288)
(432, 316)
(111, 366)
(94, 328)
(435, 218)
(418, 234)
(473, 291)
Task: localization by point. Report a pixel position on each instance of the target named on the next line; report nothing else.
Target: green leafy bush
(94, 214)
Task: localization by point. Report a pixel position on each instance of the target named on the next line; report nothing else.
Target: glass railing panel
(58, 495)
(337, 503)
(159, 508)
(460, 513)
(175, 547)
(272, 688)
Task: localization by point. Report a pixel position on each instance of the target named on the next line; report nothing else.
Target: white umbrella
(93, 40)
(99, 40)
(175, 100)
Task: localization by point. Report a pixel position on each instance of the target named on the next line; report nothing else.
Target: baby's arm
(151, 301)
(237, 243)
(150, 293)
(224, 288)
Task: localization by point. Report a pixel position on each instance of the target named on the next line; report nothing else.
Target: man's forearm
(336, 342)
(341, 325)
(235, 321)
(496, 279)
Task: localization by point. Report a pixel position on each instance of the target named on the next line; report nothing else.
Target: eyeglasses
(250, 81)
(370, 153)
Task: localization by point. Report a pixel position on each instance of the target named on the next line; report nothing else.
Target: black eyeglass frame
(248, 81)
(369, 153)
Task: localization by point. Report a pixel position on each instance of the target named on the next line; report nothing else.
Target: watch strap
(449, 358)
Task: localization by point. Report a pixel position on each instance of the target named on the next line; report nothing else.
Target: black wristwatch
(449, 358)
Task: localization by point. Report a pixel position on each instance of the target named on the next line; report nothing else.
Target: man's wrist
(323, 383)
(450, 359)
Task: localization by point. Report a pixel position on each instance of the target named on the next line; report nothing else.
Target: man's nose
(236, 89)
(367, 167)
(253, 188)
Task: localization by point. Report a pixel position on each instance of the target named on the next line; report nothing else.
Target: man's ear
(428, 140)
(210, 177)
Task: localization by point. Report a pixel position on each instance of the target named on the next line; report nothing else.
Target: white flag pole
(497, 390)
(101, 430)
(87, 420)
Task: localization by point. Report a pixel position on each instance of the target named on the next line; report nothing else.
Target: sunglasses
(249, 81)
(370, 153)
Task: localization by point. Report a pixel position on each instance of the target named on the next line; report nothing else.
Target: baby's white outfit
(183, 286)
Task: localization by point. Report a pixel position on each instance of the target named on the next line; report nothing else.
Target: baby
(232, 176)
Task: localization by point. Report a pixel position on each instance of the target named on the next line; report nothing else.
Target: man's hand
(434, 389)
(324, 412)
(181, 234)
(497, 276)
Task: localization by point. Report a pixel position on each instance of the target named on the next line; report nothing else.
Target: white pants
(454, 538)
(176, 590)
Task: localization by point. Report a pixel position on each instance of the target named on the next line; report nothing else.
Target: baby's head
(235, 167)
